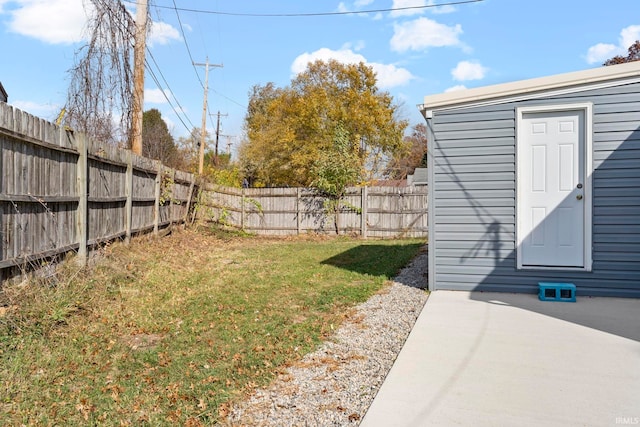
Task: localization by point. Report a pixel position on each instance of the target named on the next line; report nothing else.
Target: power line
(184, 37)
(170, 90)
(155, 79)
(228, 99)
(298, 15)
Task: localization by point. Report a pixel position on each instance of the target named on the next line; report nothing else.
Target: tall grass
(171, 331)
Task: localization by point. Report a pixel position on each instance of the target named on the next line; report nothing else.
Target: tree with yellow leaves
(289, 130)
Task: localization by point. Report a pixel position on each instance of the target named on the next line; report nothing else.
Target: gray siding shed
(474, 178)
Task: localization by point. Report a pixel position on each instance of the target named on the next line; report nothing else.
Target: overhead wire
(186, 43)
(164, 94)
(155, 79)
(267, 15)
(184, 37)
(311, 14)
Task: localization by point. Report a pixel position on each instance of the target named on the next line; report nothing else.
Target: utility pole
(204, 111)
(138, 76)
(218, 132)
(229, 143)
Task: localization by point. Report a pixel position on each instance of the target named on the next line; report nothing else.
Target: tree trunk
(337, 217)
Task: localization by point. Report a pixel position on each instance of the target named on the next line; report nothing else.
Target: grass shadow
(375, 259)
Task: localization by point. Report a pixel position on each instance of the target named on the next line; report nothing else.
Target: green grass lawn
(172, 331)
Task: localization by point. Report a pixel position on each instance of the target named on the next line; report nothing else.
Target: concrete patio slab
(495, 359)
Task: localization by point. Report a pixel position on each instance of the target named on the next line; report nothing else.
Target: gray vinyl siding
(474, 198)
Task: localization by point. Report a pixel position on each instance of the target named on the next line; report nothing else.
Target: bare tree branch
(100, 89)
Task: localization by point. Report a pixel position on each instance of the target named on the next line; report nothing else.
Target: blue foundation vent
(550, 291)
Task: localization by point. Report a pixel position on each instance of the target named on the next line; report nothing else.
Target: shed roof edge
(574, 81)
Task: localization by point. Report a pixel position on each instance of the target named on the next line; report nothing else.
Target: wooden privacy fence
(60, 191)
(367, 211)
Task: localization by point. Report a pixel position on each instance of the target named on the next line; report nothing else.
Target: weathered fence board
(368, 211)
(60, 191)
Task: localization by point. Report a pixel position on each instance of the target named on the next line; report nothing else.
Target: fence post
(242, 210)
(171, 196)
(363, 212)
(156, 206)
(82, 186)
(128, 210)
(298, 219)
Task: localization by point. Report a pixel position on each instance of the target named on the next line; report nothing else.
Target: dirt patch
(142, 341)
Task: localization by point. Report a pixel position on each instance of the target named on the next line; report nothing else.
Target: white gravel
(335, 385)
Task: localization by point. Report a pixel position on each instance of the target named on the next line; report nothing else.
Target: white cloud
(342, 8)
(388, 75)
(401, 4)
(357, 46)
(45, 111)
(602, 51)
(455, 88)
(423, 33)
(362, 3)
(391, 76)
(51, 21)
(64, 21)
(162, 33)
(467, 70)
(629, 35)
(346, 56)
(156, 96)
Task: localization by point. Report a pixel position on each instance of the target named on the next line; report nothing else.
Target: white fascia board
(568, 82)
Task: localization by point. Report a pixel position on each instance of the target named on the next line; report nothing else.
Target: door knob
(579, 197)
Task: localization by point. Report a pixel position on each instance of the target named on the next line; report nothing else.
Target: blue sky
(416, 52)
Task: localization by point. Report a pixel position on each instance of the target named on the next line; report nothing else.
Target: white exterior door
(552, 189)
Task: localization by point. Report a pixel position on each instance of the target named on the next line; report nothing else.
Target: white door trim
(587, 108)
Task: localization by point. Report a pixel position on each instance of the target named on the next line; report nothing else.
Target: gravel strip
(335, 385)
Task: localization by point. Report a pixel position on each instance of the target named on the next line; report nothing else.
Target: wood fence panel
(272, 209)
(394, 211)
(144, 193)
(389, 211)
(106, 200)
(350, 219)
(313, 217)
(48, 174)
(181, 188)
(222, 205)
(37, 186)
